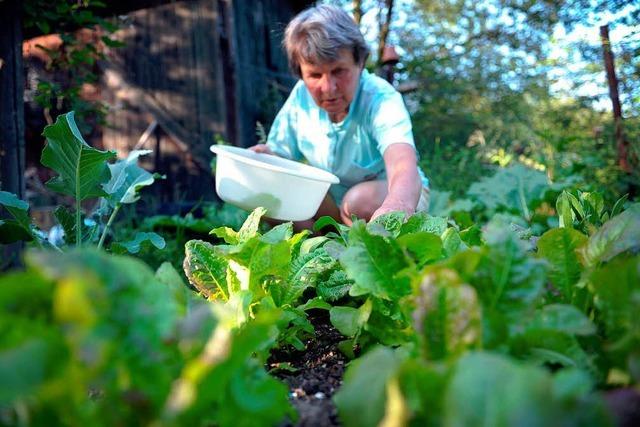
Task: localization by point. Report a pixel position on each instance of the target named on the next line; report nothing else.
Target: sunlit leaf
(206, 270)
(621, 233)
(127, 179)
(82, 170)
(141, 238)
(559, 248)
(361, 399)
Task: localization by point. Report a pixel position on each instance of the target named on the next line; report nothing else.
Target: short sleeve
(390, 121)
(282, 138)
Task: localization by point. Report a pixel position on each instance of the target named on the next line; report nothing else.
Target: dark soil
(314, 376)
(317, 374)
(624, 404)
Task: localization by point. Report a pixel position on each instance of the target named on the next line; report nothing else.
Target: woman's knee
(361, 201)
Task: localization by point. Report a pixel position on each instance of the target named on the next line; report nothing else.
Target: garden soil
(313, 376)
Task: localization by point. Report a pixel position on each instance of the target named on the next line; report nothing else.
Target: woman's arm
(403, 180)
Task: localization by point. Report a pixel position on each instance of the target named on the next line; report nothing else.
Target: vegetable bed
(432, 320)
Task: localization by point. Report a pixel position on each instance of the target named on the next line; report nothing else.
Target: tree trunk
(622, 146)
(12, 150)
(385, 24)
(357, 11)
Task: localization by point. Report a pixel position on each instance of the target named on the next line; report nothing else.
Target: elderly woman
(344, 120)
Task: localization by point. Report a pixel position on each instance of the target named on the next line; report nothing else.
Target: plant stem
(78, 224)
(523, 201)
(106, 228)
(54, 247)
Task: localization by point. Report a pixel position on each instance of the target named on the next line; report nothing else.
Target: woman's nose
(328, 84)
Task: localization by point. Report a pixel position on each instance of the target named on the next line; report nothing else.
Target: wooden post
(12, 149)
(229, 70)
(384, 27)
(357, 11)
(622, 146)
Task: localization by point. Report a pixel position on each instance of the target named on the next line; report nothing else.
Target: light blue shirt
(352, 149)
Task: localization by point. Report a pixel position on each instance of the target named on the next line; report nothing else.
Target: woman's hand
(390, 206)
(261, 148)
(403, 180)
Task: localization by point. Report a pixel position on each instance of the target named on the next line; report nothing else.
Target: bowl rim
(237, 153)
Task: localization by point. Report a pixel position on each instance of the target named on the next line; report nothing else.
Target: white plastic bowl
(289, 190)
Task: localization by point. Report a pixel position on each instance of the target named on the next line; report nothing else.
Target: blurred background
(552, 84)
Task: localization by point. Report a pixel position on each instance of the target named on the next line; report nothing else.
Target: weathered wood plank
(12, 149)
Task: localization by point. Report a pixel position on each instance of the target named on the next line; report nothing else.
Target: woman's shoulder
(377, 92)
(373, 85)
(299, 98)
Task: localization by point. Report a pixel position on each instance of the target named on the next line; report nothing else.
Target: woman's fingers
(261, 148)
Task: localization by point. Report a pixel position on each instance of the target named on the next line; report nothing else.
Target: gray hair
(318, 34)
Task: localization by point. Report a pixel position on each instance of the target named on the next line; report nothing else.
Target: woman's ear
(364, 61)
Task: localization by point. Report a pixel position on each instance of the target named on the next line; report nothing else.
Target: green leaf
(25, 367)
(552, 347)
(596, 203)
(254, 261)
(127, 179)
(388, 323)
(278, 233)
(446, 314)
(391, 222)
(559, 248)
(335, 287)
(491, 390)
(325, 221)
(230, 386)
(361, 399)
(472, 236)
(562, 318)
(108, 41)
(134, 246)
(251, 225)
(308, 271)
(570, 383)
(422, 386)
(619, 205)
(227, 234)
(422, 221)
(452, 243)
(509, 283)
(349, 321)
(11, 231)
(168, 275)
(294, 327)
(617, 289)
(619, 234)
(315, 303)
(206, 270)
(311, 244)
(112, 309)
(21, 227)
(565, 212)
(579, 204)
(68, 223)
(82, 169)
(10, 200)
(43, 26)
(372, 263)
(514, 188)
(422, 246)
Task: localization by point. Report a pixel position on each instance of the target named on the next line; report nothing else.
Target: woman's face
(333, 85)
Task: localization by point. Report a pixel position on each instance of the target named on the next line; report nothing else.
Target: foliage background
(508, 80)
